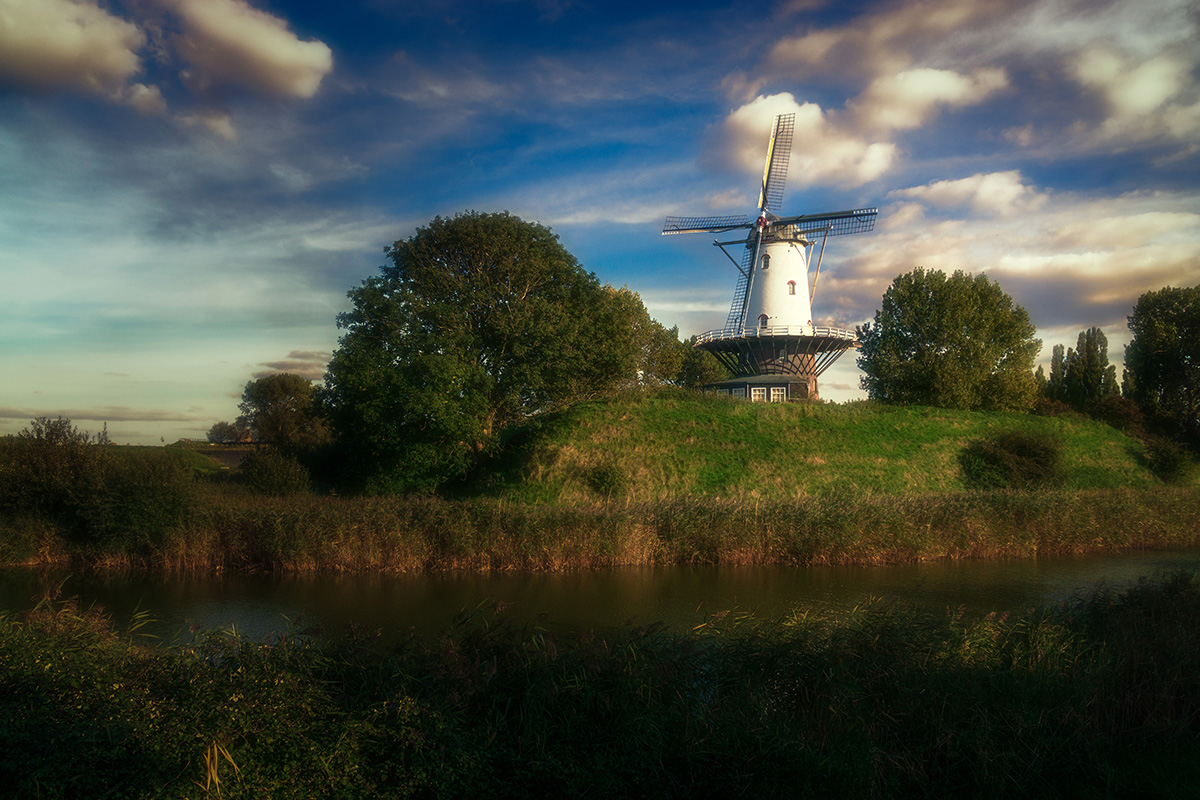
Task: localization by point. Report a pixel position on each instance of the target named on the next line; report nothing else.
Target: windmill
(769, 342)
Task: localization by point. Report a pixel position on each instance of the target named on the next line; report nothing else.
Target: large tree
(480, 322)
(951, 342)
(1162, 362)
(280, 410)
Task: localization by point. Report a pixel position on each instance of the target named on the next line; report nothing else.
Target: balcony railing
(785, 330)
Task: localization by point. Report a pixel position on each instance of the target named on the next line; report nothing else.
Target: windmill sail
(737, 311)
(779, 155)
(704, 224)
(834, 223)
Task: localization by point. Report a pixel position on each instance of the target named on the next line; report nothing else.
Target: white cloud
(1002, 194)
(825, 151)
(227, 42)
(1139, 60)
(1131, 230)
(1077, 262)
(1143, 97)
(215, 122)
(849, 148)
(906, 100)
(886, 41)
(73, 45)
(79, 46)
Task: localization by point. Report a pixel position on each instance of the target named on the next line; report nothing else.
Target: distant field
(679, 444)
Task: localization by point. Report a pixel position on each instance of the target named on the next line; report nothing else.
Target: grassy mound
(675, 443)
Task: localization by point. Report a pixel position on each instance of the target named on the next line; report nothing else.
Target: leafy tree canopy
(480, 322)
(280, 410)
(699, 367)
(655, 350)
(951, 342)
(225, 432)
(1162, 362)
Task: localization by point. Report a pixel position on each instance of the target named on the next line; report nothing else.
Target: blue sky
(188, 188)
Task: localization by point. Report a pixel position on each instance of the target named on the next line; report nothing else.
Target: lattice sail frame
(779, 156)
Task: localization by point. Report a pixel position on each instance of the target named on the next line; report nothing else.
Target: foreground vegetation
(1101, 699)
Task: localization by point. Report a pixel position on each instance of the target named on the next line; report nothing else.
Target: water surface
(261, 604)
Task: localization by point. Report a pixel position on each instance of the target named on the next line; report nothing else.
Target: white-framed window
(766, 260)
(758, 394)
(778, 394)
(791, 287)
(722, 391)
(762, 320)
(739, 391)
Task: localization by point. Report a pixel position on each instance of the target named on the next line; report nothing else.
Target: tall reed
(414, 534)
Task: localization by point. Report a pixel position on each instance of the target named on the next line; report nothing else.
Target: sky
(188, 188)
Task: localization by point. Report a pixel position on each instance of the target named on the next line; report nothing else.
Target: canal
(259, 605)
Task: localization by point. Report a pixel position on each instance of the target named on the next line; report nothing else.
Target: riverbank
(662, 478)
(228, 529)
(1098, 699)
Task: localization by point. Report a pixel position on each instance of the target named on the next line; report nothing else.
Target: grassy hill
(673, 443)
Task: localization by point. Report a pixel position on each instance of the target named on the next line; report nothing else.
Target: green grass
(674, 444)
(1097, 699)
(207, 460)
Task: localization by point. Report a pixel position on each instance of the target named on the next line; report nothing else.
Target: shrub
(607, 480)
(269, 472)
(96, 495)
(1045, 407)
(1169, 461)
(47, 469)
(1014, 460)
(1120, 413)
(142, 496)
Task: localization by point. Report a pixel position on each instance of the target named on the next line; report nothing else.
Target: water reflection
(258, 605)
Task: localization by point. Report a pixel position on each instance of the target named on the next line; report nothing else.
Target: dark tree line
(482, 323)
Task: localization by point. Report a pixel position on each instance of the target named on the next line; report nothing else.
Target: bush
(1120, 413)
(607, 480)
(1169, 461)
(274, 473)
(1014, 460)
(96, 495)
(142, 496)
(47, 469)
(1045, 407)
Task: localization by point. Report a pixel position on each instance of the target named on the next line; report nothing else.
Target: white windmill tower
(769, 342)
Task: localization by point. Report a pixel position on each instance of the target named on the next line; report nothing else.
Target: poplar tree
(1086, 376)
